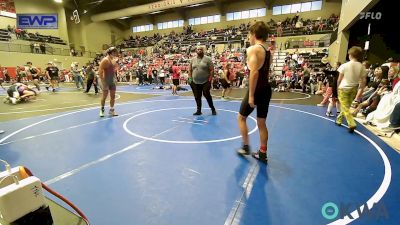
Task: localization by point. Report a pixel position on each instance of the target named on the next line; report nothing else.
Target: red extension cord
(26, 172)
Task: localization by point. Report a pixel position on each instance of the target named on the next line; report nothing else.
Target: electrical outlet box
(17, 201)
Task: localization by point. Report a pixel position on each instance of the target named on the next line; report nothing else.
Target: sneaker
(320, 105)
(112, 112)
(224, 99)
(13, 100)
(101, 112)
(47, 88)
(337, 113)
(244, 150)
(351, 129)
(329, 114)
(214, 112)
(197, 113)
(54, 90)
(262, 156)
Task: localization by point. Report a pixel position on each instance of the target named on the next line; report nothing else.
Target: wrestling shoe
(101, 112)
(261, 156)
(112, 112)
(244, 150)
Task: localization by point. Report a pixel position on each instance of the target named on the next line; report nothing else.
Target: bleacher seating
(43, 38)
(219, 36)
(24, 35)
(4, 35)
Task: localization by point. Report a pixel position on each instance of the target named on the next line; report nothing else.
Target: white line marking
(188, 122)
(117, 96)
(182, 142)
(307, 96)
(237, 209)
(194, 171)
(102, 159)
(71, 127)
(183, 118)
(36, 100)
(83, 110)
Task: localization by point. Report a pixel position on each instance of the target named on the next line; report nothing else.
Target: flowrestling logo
(37, 21)
(370, 15)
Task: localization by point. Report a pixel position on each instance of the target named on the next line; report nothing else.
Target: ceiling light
(195, 5)
(156, 12)
(124, 17)
(58, 1)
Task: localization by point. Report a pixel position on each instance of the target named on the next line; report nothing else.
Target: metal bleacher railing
(307, 44)
(49, 50)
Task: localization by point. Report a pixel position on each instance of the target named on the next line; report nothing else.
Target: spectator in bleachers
(381, 116)
(77, 75)
(380, 73)
(43, 48)
(394, 75)
(18, 33)
(32, 47)
(91, 80)
(175, 78)
(225, 80)
(394, 122)
(72, 52)
(37, 47)
(5, 73)
(21, 76)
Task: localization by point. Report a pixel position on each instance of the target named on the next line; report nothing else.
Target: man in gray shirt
(201, 72)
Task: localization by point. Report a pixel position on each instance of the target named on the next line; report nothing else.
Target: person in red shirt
(175, 78)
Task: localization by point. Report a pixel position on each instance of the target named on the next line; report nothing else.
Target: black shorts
(262, 97)
(334, 92)
(175, 82)
(225, 84)
(54, 78)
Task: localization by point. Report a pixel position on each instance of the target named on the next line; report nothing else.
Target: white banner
(147, 8)
(8, 14)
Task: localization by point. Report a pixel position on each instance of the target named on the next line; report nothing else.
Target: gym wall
(12, 59)
(92, 35)
(40, 7)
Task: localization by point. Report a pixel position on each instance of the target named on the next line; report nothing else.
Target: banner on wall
(8, 14)
(37, 21)
(147, 8)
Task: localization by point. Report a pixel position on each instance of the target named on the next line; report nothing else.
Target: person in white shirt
(162, 75)
(352, 75)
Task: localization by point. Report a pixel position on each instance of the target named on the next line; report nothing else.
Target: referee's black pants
(202, 89)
